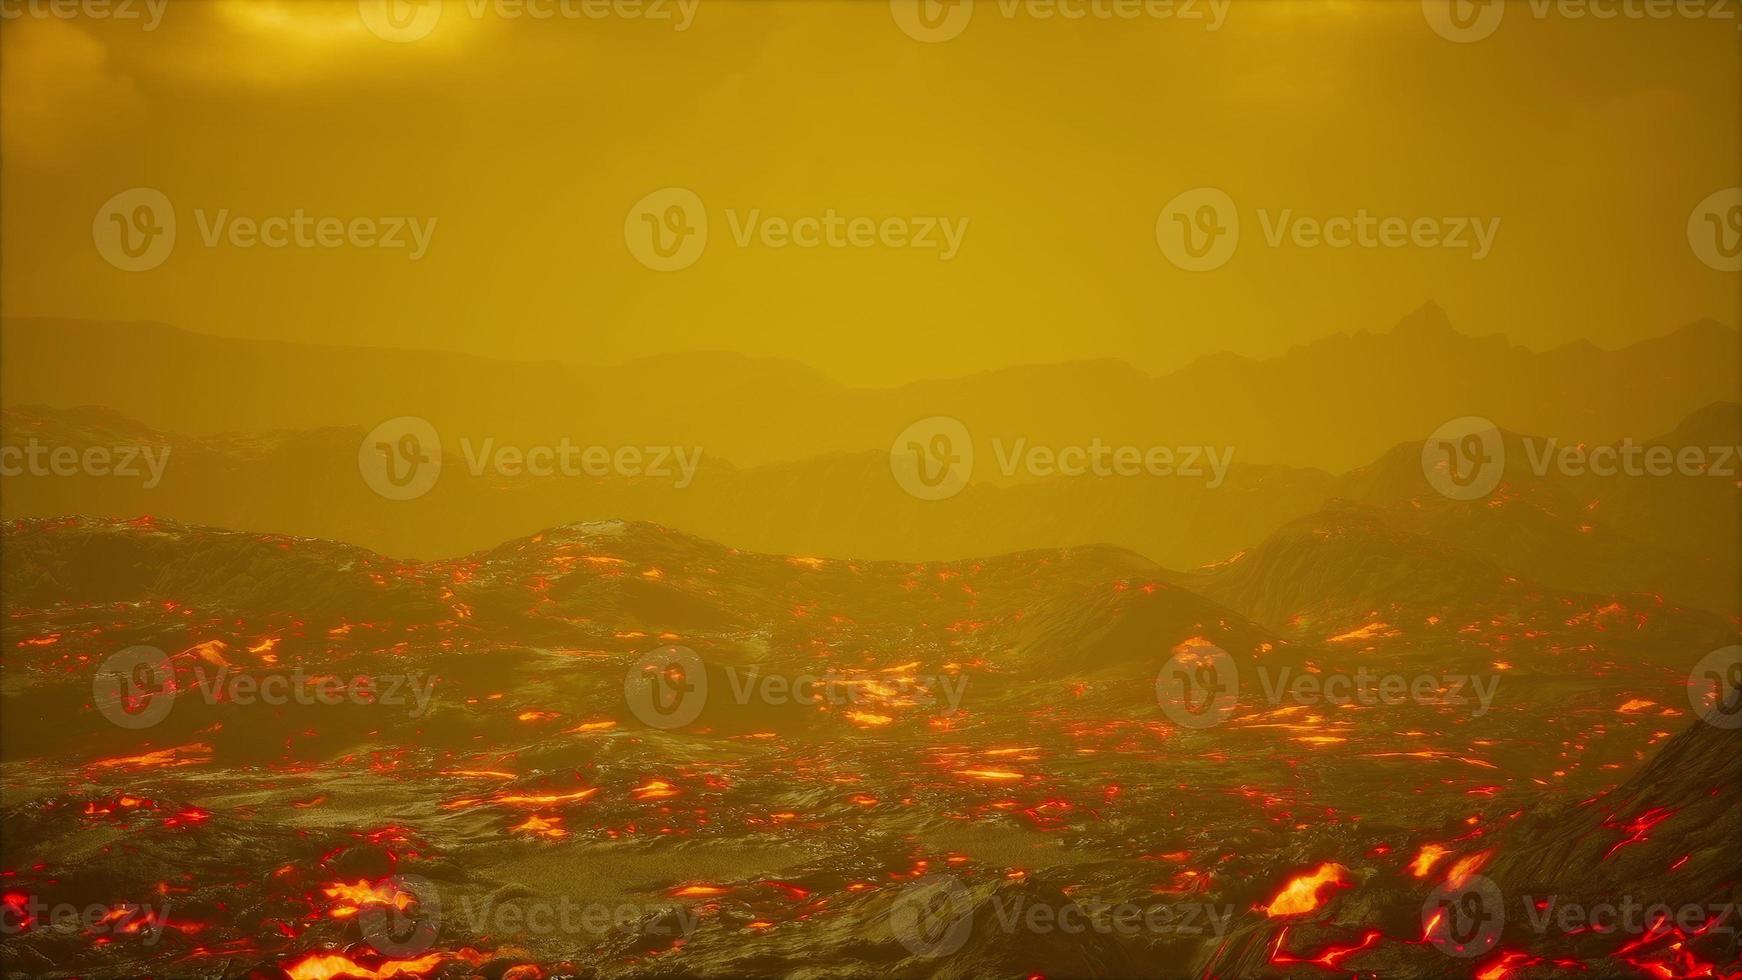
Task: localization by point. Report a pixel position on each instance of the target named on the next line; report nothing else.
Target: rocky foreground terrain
(615, 750)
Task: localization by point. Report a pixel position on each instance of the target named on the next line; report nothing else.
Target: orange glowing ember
(480, 773)
(1424, 862)
(990, 775)
(540, 799)
(699, 891)
(1306, 893)
(655, 789)
(1467, 866)
(1373, 630)
(181, 755)
(317, 967)
(546, 827)
(351, 899)
(211, 651)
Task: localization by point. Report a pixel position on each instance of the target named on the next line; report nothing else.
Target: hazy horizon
(1382, 328)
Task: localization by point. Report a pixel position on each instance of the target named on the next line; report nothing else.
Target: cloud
(58, 92)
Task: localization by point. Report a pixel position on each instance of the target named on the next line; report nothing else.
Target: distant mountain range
(1579, 533)
(308, 483)
(1332, 404)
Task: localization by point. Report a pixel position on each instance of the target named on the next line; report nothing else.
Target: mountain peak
(1428, 322)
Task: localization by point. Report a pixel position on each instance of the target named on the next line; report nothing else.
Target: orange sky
(1050, 145)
